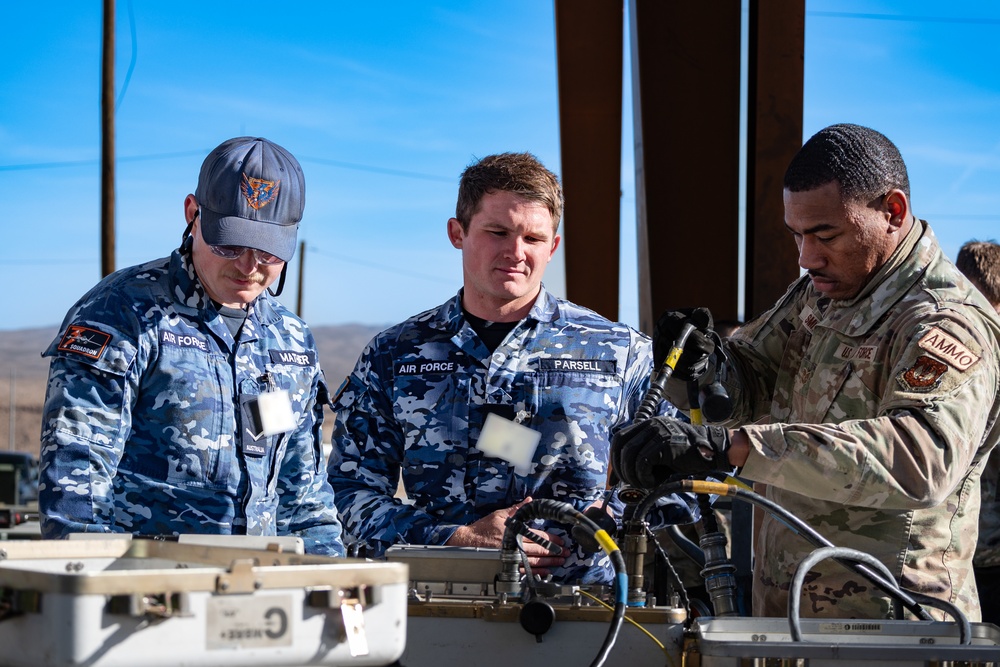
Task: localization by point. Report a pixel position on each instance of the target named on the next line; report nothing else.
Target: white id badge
(514, 443)
(276, 414)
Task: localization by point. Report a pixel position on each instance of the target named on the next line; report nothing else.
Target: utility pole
(108, 141)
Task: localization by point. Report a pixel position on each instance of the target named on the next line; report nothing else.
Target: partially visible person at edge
(500, 395)
(865, 399)
(979, 261)
(182, 397)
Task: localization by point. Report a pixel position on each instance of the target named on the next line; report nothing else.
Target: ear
(455, 232)
(897, 206)
(555, 244)
(190, 209)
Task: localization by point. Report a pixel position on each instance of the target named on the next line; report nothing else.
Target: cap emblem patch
(258, 192)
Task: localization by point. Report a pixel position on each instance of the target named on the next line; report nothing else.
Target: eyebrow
(823, 227)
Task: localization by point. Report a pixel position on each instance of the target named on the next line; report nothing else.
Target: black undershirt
(233, 317)
(491, 333)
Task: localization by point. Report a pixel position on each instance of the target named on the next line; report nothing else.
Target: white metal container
(109, 603)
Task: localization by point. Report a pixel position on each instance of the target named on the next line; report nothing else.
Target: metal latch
(240, 578)
(152, 605)
(352, 605)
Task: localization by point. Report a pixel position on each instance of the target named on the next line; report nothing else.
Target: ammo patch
(425, 366)
(289, 358)
(924, 375)
(84, 341)
(948, 349)
(578, 365)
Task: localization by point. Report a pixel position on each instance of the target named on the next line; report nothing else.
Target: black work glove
(647, 453)
(693, 362)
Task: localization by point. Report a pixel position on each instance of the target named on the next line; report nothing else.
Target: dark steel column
(589, 52)
(686, 95)
(774, 134)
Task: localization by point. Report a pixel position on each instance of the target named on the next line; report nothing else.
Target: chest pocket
(828, 386)
(433, 413)
(186, 434)
(575, 412)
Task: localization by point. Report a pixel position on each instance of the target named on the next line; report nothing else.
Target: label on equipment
(254, 621)
(854, 628)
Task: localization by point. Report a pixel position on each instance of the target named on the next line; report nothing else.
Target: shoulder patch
(340, 390)
(924, 375)
(84, 341)
(948, 349)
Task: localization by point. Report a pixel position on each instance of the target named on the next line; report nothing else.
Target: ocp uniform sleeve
(927, 425)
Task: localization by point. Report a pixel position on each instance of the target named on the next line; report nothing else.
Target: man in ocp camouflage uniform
(979, 261)
(182, 397)
(503, 362)
(865, 400)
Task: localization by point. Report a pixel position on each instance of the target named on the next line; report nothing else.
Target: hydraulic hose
(794, 523)
(553, 510)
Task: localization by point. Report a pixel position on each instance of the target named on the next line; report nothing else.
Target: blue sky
(384, 103)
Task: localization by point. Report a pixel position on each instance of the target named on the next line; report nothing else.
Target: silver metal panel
(110, 603)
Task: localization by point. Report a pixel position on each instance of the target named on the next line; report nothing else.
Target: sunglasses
(236, 251)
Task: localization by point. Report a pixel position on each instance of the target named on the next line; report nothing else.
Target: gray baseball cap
(251, 192)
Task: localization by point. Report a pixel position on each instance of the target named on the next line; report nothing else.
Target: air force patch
(924, 375)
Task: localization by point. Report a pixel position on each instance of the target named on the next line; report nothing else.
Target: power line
(97, 161)
(170, 156)
(904, 17)
(381, 267)
(135, 52)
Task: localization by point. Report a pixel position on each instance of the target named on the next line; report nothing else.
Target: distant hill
(24, 371)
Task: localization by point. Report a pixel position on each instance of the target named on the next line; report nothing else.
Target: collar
(450, 317)
(191, 297)
(906, 266)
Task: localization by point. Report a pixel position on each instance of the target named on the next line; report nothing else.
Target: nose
(810, 254)
(246, 262)
(516, 248)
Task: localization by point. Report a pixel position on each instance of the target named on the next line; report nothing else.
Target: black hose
(690, 549)
(792, 522)
(554, 510)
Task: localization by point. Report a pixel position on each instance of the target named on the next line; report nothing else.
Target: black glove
(647, 453)
(693, 362)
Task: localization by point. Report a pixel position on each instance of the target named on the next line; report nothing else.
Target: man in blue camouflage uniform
(979, 261)
(182, 397)
(865, 400)
(502, 361)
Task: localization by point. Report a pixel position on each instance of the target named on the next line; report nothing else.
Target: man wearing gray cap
(182, 397)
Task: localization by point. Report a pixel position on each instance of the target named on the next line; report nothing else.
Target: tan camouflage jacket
(871, 419)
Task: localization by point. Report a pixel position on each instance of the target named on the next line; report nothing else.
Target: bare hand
(488, 532)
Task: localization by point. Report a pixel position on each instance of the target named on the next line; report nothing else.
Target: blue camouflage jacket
(417, 399)
(147, 429)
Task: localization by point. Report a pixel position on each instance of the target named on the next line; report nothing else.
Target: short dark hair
(520, 173)
(980, 262)
(864, 162)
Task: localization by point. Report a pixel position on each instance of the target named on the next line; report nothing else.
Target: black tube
(795, 524)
